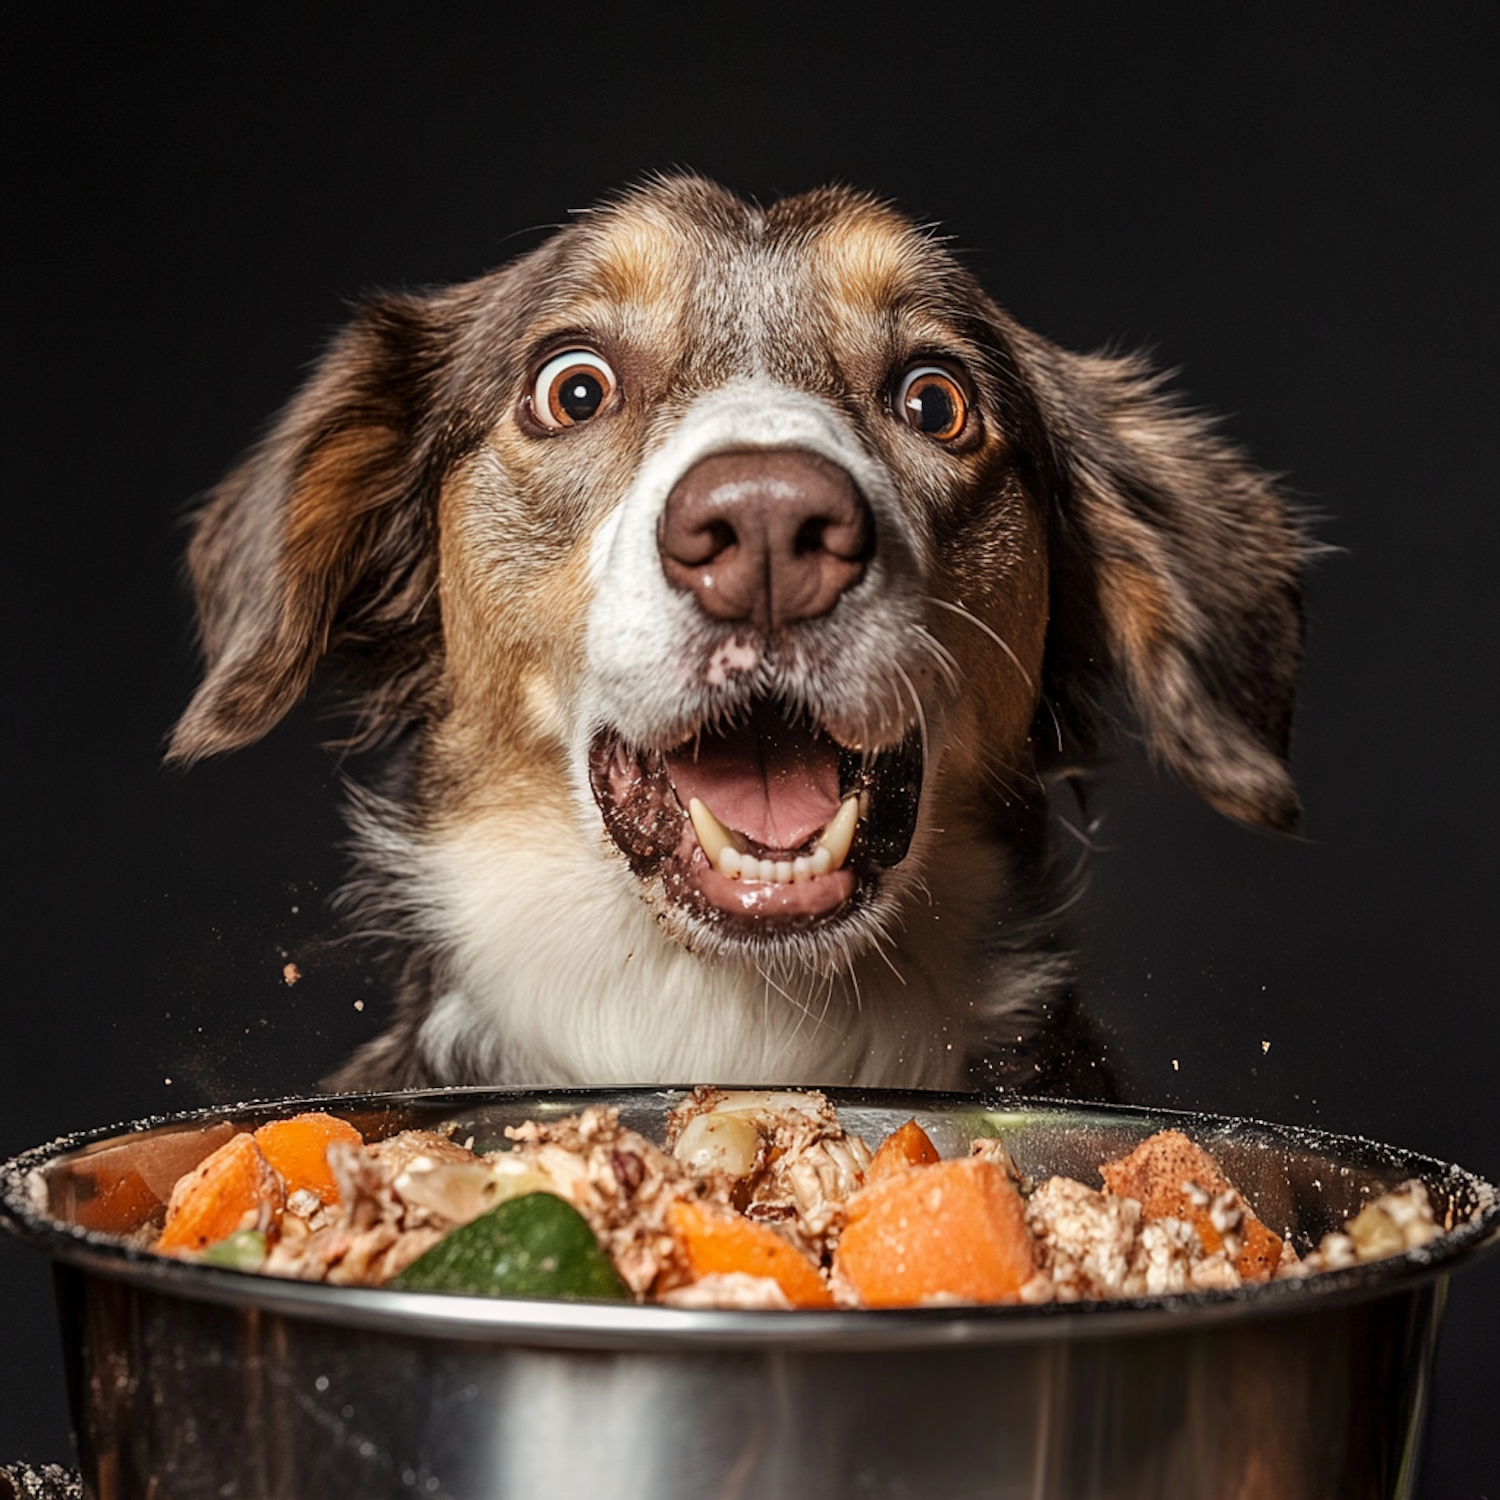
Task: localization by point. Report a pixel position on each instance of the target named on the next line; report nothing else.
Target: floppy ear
(1177, 579)
(321, 538)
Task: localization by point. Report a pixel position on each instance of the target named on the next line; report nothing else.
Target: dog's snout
(768, 536)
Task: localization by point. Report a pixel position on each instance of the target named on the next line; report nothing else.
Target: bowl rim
(607, 1325)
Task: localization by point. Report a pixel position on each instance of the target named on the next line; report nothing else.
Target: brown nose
(768, 536)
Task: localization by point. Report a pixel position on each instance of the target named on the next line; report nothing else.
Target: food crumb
(1175, 1068)
(166, 1080)
(359, 1005)
(291, 973)
(1265, 1047)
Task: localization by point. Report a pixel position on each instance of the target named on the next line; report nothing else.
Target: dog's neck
(547, 967)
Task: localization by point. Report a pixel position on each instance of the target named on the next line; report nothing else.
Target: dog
(727, 588)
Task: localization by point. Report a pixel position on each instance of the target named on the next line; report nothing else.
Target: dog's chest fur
(556, 970)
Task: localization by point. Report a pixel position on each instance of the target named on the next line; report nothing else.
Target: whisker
(974, 619)
(802, 1013)
(1071, 900)
(879, 938)
(1056, 722)
(848, 963)
(916, 702)
(827, 1001)
(992, 774)
(1084, 836)
(947, 663)
(804, 1009)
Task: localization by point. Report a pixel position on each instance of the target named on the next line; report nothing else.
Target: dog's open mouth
(770, 823)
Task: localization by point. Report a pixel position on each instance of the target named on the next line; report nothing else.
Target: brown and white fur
(535, 662)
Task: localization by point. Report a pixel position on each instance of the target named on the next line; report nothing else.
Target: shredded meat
(805, 1167)
(374, 1232)
(1092, 1245)
(1084, 1239)
(1391, 1224)
(621, 1183)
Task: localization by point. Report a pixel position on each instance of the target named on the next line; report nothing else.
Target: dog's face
(748, 557)
(757, 557)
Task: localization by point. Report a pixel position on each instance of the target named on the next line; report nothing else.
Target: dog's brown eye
(571, 388)
(929, 400)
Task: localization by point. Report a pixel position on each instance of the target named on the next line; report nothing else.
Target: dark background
(1295, 205)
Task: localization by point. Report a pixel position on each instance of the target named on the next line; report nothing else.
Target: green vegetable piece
(242, 1251)
(536, 1245)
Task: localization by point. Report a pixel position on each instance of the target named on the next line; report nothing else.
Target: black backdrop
(1295, 206)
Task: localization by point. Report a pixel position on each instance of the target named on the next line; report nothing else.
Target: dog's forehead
(710, 284)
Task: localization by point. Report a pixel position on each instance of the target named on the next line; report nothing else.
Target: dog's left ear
(1177, 579)
(320, 539)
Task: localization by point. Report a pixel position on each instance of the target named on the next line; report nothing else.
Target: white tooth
(713, 836)
(801, 867)
(839, 834)
(759, 869)
(821, 861)
(783, 872)
(730, 862)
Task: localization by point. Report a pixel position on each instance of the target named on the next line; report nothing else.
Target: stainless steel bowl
(187, 1381)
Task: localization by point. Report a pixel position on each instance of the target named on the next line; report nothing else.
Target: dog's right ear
(322, 537)
(1177, 582)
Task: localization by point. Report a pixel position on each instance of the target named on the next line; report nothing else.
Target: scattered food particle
(1265, 1046)
(291, 973)
(359, 1005)
(1175, 1068)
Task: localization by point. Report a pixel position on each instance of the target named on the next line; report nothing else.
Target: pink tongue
(774, 782)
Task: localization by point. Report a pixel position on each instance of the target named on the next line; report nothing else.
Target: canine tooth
(820, 862)
(839, 834)
(783, 872)
(713, 836)
(731, 862)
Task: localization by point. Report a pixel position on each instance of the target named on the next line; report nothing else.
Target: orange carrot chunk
(231, 1189)
(1156, 1175)
(952, 1231)
(906, 1147)
(717, 1243)
(298, 1149)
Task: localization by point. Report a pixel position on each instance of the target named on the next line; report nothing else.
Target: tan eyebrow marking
(869, 257)
(640, 260)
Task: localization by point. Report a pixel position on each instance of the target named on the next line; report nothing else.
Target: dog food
(758, 1200)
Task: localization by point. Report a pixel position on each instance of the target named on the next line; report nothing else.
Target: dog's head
(760, 548)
